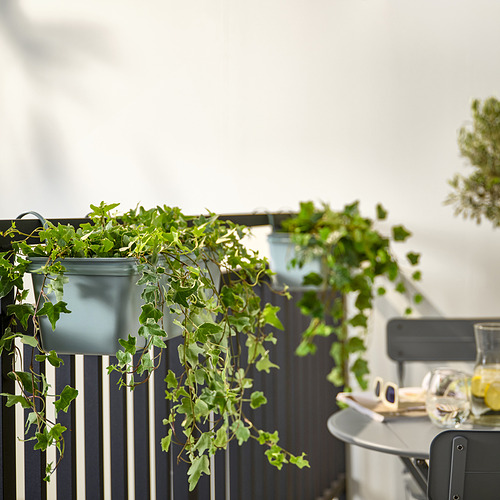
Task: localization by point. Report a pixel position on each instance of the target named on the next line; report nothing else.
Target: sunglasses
(387, 392)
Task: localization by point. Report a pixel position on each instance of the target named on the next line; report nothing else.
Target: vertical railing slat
(94, 486)
(161, 407)
(34, 461)
(141, 441)
(118, 436)
(66, 470)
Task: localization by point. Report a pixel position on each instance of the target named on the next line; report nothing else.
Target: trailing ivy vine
(178, 259)
(353, 255)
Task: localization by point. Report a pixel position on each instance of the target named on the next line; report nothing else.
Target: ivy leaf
(190, 353)
(185, 406)
(68, 394)
(305, 347)
(22, 312)
(322, 329)
(203, 442)
(239, 322)
(381, 212)
(171, 380)
(257, 399)
(399, 233)
(48, 471)
(313, 279)
(124, 358)
(363, 300)
(55, 285)
(28, 380)
(6, 340)
(129, 344)
(106, 245)
(228, 297)
(337, 352)
(300, 461)
(413, 258)
(276, 456)
(207, 329)
(264, 364)
(199, 466)
(201, 409)
(30, 420)
(53, 311)
(336, 376)
(183, 293)
(270, 315)
(360, 369)
(355, 344)
(29, 340)
(158, 342)
(146, 365)
(267, 437)
(166, 440)
(149, 311)
(57, 431)
(6, 285)
(359, 319)
(44, 440)
(13, 399)
(310, 304)
(220, 440)
(51, 357)
(241, 432)
(151, 329)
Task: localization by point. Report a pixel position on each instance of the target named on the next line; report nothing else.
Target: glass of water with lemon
(447, 397)
(485, 383)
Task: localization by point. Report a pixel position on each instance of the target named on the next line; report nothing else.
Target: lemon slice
(478, 386)
(492, 396)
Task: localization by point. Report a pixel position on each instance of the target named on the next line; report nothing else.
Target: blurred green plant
(477, 195)
(353, 255)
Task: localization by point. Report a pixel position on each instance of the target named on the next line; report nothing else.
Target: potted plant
(350, 254)
(477, 195)
(175, 263)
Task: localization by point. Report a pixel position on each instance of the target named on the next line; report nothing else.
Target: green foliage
(353, 256)
(178, 260)
(477, 195)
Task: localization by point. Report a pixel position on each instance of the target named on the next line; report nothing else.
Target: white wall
(239, 106)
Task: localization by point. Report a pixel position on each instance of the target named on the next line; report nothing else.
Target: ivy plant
(353, 255)
(213, 391)
(477, 195)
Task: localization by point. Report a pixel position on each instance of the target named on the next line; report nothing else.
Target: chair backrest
(464, 465)
(431, 339)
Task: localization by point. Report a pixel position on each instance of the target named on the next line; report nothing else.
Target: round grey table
(408, 438)
(403, 436)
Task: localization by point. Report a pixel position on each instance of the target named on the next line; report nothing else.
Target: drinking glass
(447, 400)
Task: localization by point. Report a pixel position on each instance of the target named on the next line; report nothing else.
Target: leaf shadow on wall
(48, 58)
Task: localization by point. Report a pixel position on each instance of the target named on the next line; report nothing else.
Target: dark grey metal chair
(465, 465)
(430, 339)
